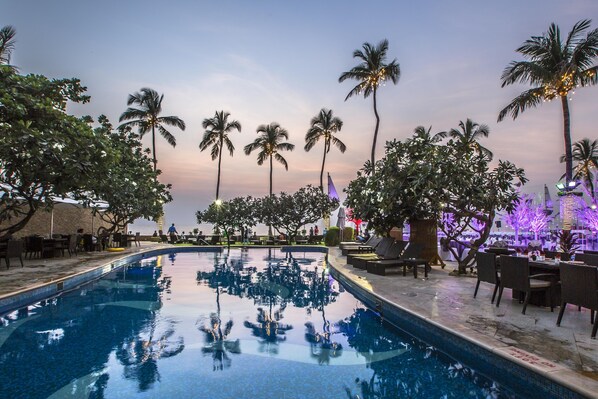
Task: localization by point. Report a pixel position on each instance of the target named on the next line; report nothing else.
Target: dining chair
(579, 286)
(14, 249)
(514, 274)
(487, 272)
(564, 256)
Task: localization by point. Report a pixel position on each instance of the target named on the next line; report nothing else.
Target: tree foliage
(289, 212)
(419, 179)
(44, 152)
(126, 182)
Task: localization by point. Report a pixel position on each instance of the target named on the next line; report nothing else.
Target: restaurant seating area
(61, 245)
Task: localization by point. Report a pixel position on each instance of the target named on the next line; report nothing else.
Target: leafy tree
(216, 135)
(585, 153)
(7, 45)
(44, 152)
(147, 117)
(127, 182)
(519, 216)
(270, 143)
(372, 72)
(419, 180)
(245, 213)
(324, 126)
(288, 212)
(554, 68)
(221, 214)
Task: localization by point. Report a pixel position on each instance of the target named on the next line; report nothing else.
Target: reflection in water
(139, 331)
(140, 354)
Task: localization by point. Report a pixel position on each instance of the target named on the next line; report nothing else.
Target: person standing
(316, 231)
(172, 233)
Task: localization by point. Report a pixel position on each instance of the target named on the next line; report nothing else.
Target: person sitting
(155, 234)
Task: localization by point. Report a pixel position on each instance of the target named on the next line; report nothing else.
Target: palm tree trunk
(567, 133)
(270, 226)
(219, 163)
(154, 147)
(375, 130)
(326, 144)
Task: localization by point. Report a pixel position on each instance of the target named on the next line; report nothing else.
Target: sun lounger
(380, 250)
(411, 257)
(393, 253)
(362, 248)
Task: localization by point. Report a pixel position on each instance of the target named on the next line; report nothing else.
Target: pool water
(238, 324)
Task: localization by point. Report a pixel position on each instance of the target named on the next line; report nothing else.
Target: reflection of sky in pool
(251, 324)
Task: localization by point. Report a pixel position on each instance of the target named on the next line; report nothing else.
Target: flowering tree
(538, 220)
(518, 218)
(352, 218)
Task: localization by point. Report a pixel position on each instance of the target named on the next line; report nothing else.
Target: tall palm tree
(216, 135)
(585, 153)
(270, 143)
(147, 117)
(554, 68)
(371, 72)
(7, 44)
(323, 126)
(469, 135)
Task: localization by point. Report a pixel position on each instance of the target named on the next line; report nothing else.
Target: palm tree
(469, 135)
(216, 135)
(147, 118)
(585, 153)
(270, 143)
(553, 69)
(323, 126)
(426, 135)
(7, 44)
(371, 72)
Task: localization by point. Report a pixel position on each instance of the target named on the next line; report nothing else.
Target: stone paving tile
(449, 301)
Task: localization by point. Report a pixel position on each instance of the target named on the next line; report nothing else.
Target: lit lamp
(218, 202)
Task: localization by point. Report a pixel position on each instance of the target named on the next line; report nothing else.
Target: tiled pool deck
(532, 339)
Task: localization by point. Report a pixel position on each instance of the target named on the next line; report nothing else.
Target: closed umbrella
(340, 221)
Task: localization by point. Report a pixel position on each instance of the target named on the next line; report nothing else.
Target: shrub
(332, 237)
(348, 234)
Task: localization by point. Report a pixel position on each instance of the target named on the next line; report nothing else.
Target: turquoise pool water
(244, 324)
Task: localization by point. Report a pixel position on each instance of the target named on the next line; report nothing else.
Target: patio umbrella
(340, 221)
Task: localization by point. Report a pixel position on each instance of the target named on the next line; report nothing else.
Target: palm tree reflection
(269, 329)
(140, 354)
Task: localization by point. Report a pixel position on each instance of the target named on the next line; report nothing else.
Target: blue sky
(266, 61)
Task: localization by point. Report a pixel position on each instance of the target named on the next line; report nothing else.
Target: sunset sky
(266, 61)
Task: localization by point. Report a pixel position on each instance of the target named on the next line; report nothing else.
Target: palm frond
(167, 135)
(172, 121)
(7, 43)
(281, 159)
(527, 99)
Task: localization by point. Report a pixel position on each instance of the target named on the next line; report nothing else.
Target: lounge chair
(13, 249)
(345, 244)
(579, 286)
(409, 258)
(380, 250)
(370, 246)
(393, 253)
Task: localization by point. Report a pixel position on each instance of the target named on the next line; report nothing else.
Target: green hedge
(332, 237)
(348, 234)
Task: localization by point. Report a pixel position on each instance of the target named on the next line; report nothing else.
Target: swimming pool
(243, 324)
